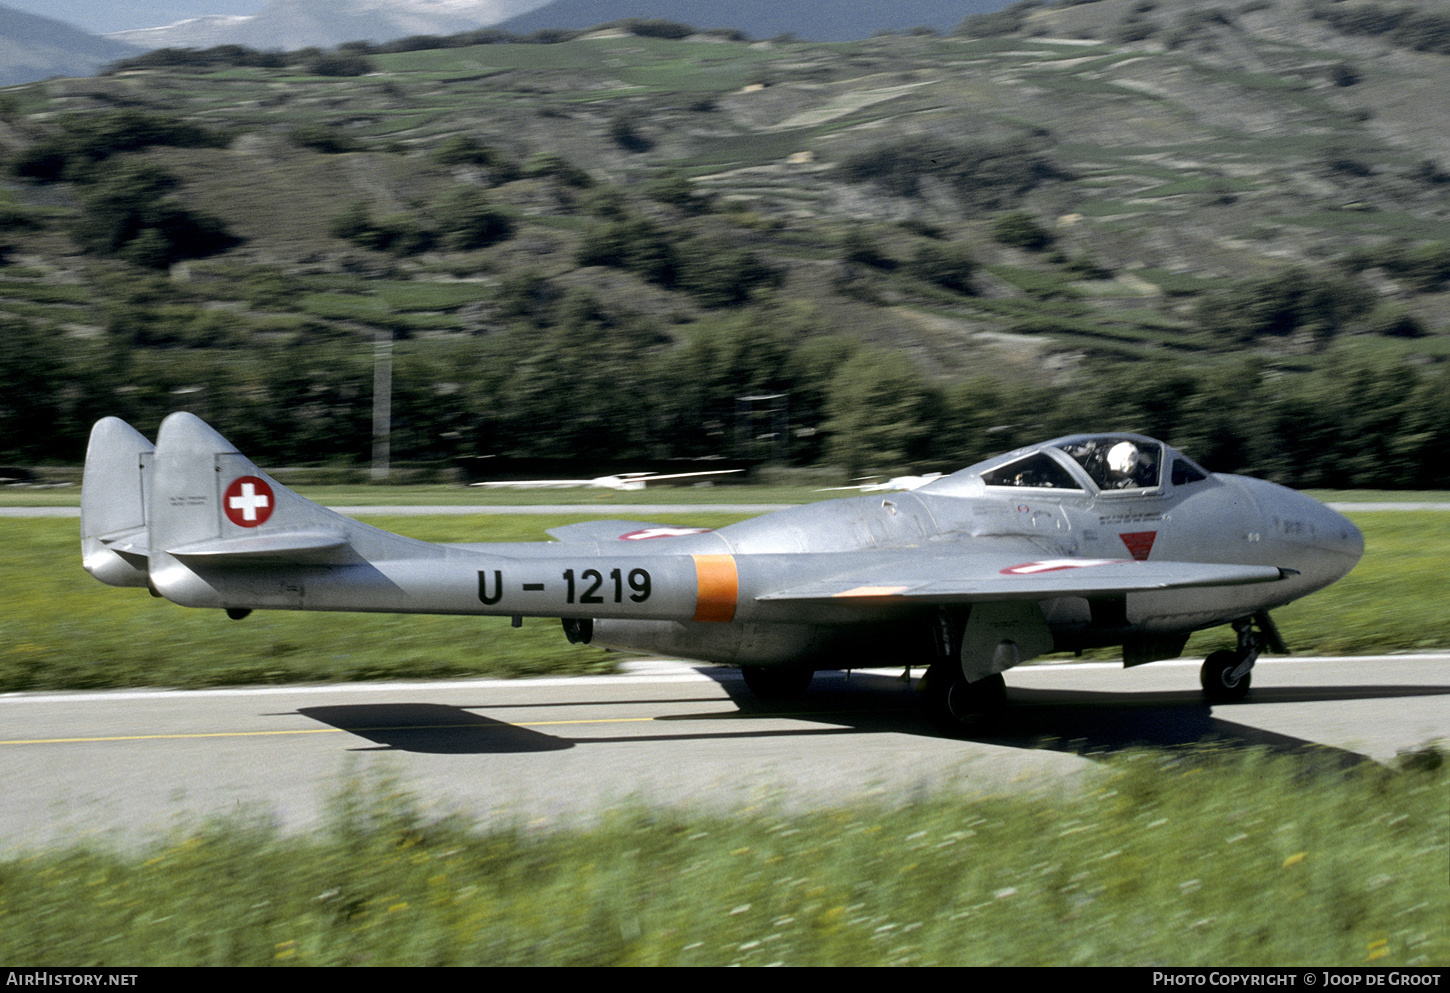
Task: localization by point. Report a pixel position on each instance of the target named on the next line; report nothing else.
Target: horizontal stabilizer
(296, 546)
(133, 547)
(1027, 581)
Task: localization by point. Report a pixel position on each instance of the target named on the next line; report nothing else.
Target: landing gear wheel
(1219, 684)
(958, 707)
(777, 682)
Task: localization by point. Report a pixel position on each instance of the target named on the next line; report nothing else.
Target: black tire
(777, 682)
(958, 707)
(1218, 684)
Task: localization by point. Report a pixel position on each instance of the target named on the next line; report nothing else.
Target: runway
(127, 766)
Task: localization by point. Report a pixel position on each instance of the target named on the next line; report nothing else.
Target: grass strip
(1192, 858)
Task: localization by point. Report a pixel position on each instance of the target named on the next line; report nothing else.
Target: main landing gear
(956, 706)
(1225, 673)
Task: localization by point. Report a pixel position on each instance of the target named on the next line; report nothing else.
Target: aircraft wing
(952, 581)
(618, 531)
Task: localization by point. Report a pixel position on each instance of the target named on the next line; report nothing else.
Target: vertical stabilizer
(114, 539)
(224, 533)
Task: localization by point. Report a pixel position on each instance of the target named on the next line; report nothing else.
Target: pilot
(1122, 461)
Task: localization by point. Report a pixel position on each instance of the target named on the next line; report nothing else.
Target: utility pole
(382, 406)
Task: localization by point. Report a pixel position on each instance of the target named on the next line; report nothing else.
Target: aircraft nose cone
(1337, 544)
(1302, 534)
(1339, 533)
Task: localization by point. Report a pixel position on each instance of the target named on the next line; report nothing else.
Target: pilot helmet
(1123, 458)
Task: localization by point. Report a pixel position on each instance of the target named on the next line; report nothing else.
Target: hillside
(936, 246)
(831, 20)
(33, 47)
(293, 24)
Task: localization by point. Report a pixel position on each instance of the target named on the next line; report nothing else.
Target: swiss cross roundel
(248, 501)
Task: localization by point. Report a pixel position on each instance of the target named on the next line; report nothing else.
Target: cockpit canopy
(1101, 463)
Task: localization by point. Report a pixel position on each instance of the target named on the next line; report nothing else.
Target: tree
(637, 245)
(130, 215)
(32, 380)
(1293, 302)
(718, 275)
(875, 410)
(585, 384)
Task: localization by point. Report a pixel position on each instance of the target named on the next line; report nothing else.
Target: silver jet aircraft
(1081, 542)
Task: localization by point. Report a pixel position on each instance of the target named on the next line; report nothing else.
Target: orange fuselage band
(718, 587)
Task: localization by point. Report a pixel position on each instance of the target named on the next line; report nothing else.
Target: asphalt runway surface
(129, 766)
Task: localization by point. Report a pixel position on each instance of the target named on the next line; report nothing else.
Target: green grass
(59, 629)
(342, 307)
(1387, 603)
(418, 295)
(1195, 858)
(1373, 222)
(52, 293)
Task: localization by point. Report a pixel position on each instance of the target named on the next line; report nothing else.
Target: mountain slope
(34, 47)
(827, 20)
(293, 24)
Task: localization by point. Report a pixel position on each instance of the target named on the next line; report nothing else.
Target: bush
(88, 139)
(557, 167)
(1395, 323)
(1009, 21)
(1424, 268)
(465, 150)
(468, 220)
(718, 275)
(219, 56)
(341, 63)
(130, 215)
(656, 28)
(983, 176)
(1291, 302)
(950, 266)
(677, 191)
(637, 245)
(1019, 230)
(1131, 31)
(326, 138)
(625, 133)
(860, 248)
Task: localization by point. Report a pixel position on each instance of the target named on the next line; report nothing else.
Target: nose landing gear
(1225, 673)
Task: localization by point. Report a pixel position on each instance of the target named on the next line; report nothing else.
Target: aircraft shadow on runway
(1075, 721)
(432, 728)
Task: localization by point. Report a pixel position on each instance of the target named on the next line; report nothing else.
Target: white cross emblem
(249, 502)
(1053, 565)
(660, 532)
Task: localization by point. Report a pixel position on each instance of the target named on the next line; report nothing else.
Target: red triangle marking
(1139, 543)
